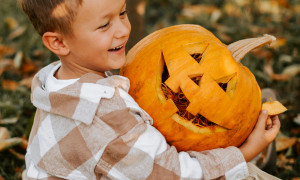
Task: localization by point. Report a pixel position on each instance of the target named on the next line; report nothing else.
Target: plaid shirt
(92, 129)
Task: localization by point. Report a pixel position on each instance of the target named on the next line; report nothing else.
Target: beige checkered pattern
(92, 129)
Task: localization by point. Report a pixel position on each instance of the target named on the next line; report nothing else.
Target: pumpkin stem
(240, 48)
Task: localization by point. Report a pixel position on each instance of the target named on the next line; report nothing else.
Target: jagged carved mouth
(183, 82)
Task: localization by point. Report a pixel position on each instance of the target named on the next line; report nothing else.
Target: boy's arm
(142, 152)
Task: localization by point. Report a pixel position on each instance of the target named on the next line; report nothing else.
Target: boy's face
(100, 32)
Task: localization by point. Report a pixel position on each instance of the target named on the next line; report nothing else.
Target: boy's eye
(104, 26)
(123, 13)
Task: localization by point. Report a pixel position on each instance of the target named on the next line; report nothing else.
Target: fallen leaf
(28, 67)
(233, 10)
(9, 120)
(192, 11)
(287, 73)
(283, 161)
(18, 32)
(296, 178)
(27, 81)
(269, 70)
(6, 50)
(281, 77)
(283, 143)
(4, 133)
(291, 70)
(284, 58)
(18, 155)
(274, 7)
(11, 85)
(8, 143)
(18, 59)
(297, 120)
(215, 16)
(11, 22)
(24, 142)
(5, 64)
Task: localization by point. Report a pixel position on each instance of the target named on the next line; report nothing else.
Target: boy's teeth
(116, 48)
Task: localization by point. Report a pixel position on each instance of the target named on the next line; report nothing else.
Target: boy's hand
(264, 132)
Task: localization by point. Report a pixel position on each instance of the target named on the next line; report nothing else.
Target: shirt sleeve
(141, 152)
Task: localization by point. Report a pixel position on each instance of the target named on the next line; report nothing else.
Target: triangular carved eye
(228, 84)
(223, 86)
(196, 50)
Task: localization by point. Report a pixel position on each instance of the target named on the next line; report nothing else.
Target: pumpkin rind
(233, 112)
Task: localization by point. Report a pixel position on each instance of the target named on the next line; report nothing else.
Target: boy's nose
(123, 28)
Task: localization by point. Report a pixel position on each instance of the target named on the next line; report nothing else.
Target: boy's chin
(118, 65)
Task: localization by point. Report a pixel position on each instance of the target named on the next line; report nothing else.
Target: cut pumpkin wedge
(273, 108)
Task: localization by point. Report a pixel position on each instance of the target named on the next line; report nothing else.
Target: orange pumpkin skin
(233, 113)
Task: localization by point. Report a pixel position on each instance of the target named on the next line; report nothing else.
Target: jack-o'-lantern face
(197, 94)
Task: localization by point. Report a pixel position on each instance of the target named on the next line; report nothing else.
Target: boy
(87, 126)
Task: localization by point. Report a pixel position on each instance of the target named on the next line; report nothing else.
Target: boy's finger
(269, 123)
(274, 118)
(262, 118)
(275, 121)
(275, 127)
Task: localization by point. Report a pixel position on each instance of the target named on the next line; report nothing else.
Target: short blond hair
(51, 15)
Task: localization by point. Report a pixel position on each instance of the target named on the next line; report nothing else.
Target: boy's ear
(55, 43)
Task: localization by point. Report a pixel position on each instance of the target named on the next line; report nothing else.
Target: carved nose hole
(196, 79)
(197, 57)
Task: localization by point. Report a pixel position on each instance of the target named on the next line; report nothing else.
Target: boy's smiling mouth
(116, 48)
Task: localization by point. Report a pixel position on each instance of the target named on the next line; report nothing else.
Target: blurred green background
(22, 54)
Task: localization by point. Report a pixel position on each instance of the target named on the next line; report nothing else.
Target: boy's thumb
(262, 118)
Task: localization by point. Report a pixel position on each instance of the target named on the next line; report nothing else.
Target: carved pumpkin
(198, 94)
